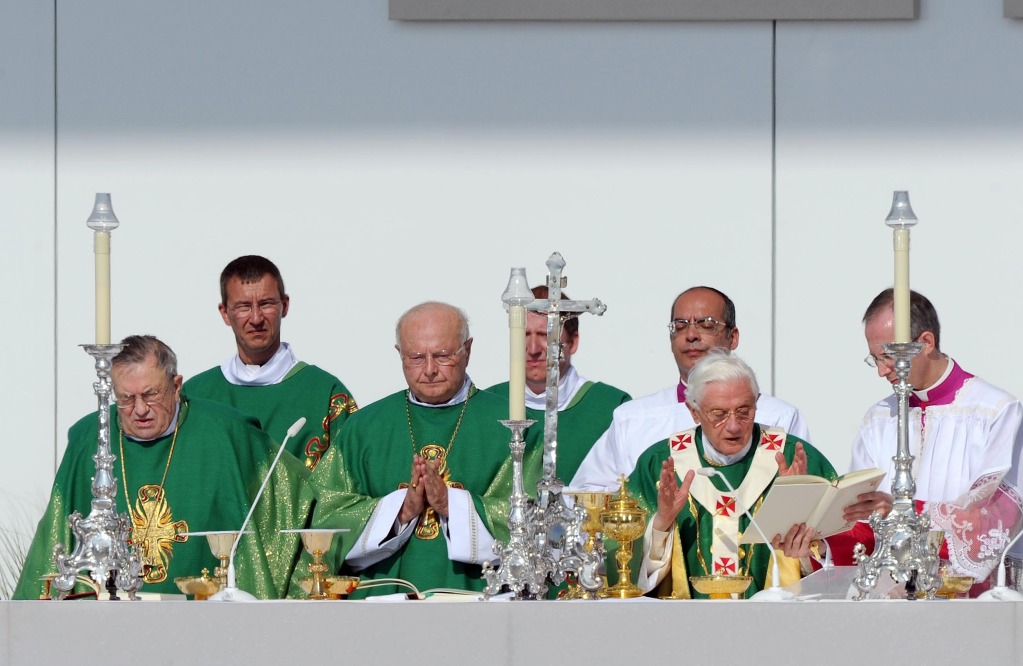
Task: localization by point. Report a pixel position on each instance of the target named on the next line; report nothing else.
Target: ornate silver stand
(546, 540)
(901, 544)
(102, 539)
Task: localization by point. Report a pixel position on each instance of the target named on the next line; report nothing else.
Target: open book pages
(813, 500)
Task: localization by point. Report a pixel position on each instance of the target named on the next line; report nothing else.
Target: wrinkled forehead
(137, 377)
(728, 394)
(431, 332)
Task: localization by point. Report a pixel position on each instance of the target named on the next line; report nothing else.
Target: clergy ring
(413, 486)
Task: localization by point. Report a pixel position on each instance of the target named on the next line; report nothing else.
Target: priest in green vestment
(264, 378)
(695, 521)
(584, 407)
(185, 465)
(422, 477)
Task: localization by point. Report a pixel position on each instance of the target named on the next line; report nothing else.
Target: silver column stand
(546, 541)
(102, 539)
(901, 545)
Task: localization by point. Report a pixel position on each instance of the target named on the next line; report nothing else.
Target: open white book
(813, 500)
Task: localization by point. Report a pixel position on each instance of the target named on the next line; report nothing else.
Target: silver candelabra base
(103, 538)
(904, 545)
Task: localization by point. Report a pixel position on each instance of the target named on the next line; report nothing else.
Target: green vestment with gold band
(305, 391)
(373, 458)
(220, 458)
(580, 423)
(694, 533)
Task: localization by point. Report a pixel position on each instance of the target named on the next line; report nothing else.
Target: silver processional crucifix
(545, 541)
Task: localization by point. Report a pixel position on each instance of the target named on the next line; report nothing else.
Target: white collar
(568, 386)
(718, 458)
(272, 372)
(922, 393)
(459, 398)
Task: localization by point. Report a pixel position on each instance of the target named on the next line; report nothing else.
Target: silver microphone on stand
(775, 592)
(232, 593)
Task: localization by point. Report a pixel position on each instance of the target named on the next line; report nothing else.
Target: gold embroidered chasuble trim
(722, 505)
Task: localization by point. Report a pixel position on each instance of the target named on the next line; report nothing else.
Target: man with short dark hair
(695, 521)
(584, 407)
(702, 320)
(264, 378)
(422, 477)
(185, 465)
(961, 428)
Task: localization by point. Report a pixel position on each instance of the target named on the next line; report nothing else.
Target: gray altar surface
(508, 632)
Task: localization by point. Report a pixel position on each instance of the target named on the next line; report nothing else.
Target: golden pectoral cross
(155, 532)
(429, 525)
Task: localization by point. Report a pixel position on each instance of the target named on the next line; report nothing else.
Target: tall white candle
(901, 290)
(102, 221)
(517, 362)
(101, 247)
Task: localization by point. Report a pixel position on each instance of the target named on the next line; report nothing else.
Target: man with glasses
(584, 407)
(264, 378)
(702, 320)
(961, 428)
(695, 521)
(182, 465)
(421, 478)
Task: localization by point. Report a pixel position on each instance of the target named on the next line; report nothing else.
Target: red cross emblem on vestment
(726, 505)
(725, 566)
(772, 442)
(681, 442)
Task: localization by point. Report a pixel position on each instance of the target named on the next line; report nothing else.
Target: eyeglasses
(244, 310)
(719, 417)
(149, 397)
(883, 359)
(442, 357)
(702, 325)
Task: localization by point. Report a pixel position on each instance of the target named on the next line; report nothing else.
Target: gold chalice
(624, 520)
(334, 587)
(953, 585)
(317, 542)
(200, 587)
(720, 587)
(220, 543)
(594, 503)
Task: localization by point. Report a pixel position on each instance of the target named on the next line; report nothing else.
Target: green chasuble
(305, 391)
(373, 458)
(695, 523)
(580, 423)
(220, 457)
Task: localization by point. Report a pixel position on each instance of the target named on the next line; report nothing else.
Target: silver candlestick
(903, 544)
(546, 541)
(103, 538)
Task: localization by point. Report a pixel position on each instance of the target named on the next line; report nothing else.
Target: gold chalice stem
(220, 573)
(317, 568)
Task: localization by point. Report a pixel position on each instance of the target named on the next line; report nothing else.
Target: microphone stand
(775, 592)
(232, 593)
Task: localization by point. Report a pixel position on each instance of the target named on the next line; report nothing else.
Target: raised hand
(798, 465)
(671, 496)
